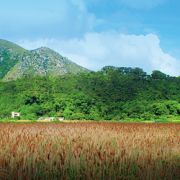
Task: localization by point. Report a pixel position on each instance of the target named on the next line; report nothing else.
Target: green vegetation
(110, 94)
(10, 54)
(48, 84)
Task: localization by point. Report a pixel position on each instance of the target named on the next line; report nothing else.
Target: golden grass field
(89, 151)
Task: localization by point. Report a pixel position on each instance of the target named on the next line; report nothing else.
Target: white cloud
(142, 4)
(96, 50)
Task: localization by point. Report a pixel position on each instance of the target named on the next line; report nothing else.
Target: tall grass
(89, 151)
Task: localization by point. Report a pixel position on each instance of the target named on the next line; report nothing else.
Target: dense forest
(110, 94)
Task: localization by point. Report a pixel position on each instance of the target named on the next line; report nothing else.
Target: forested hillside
(110, 94)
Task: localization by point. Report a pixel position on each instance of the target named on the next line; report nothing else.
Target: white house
(15, 114)
(50, 119)
(60, 118)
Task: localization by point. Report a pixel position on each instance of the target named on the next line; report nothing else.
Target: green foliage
(159, 109)
(110, 94)
(10, 54)
(158, 75)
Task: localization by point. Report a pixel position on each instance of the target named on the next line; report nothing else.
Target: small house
(50, 119)
(46, 119)
(60, 118)
(15, 114)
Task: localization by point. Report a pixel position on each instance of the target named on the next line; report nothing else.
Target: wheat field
(89, 151)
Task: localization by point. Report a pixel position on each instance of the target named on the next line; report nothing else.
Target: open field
(89, 151)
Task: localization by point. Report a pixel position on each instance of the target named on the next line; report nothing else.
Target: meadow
(89, 150)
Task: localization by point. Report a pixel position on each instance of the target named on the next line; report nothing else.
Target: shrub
(159, 109)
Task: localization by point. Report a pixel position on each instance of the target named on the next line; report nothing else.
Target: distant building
(50, 119)
(47, 119)
(15, 114)
(60, 118)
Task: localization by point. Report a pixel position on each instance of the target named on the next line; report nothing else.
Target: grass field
(89, 151)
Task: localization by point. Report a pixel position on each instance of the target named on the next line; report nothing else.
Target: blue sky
(95, 33)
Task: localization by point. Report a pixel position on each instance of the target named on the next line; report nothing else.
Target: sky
(97, 33)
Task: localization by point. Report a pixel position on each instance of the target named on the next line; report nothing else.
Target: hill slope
(10, 54)
(16, 62)
(111, 94)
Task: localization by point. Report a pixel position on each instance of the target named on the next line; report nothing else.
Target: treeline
(110, 94)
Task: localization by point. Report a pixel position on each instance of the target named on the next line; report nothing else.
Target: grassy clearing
(89, 151)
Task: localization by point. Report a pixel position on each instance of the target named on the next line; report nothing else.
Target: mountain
(10, 54)
(16, 62)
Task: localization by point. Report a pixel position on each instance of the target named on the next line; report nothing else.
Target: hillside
(10, 54)
(110, 94)
(16, 62)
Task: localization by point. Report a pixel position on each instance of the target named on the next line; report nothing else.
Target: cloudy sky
(95, 33)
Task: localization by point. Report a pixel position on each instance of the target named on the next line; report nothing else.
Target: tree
(158, 75)
(159, 109)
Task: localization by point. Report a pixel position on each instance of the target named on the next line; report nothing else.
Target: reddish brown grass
(89, 151)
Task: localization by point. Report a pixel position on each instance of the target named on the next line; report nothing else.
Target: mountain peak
(43, 48)
(16, 62)
(46, 51)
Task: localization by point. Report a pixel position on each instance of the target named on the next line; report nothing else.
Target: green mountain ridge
(10, 45)
(10, 54)
(16, 62)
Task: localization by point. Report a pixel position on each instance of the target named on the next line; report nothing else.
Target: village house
(15, 114)
(50, 119)
(60, 118)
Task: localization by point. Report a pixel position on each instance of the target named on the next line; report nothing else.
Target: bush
(147, 116)
(120, 117)
(77, 116)
(172, 106)
(159, 109)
